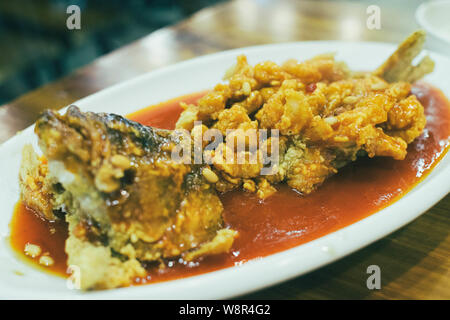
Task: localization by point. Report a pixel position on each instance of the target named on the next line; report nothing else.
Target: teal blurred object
(37, 47)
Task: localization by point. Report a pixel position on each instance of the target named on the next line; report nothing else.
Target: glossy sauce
(287, 218)
(27, 227)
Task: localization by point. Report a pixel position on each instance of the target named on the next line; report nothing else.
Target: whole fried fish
(125, 199)
(129, 202)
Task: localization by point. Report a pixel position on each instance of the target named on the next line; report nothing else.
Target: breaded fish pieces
(326, 115)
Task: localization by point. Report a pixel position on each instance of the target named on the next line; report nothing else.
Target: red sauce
(286, 219)
(27, 227)
(165, 114)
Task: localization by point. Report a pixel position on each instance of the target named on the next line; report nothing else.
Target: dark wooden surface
(414, 261)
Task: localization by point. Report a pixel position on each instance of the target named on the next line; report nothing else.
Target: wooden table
(414, 261)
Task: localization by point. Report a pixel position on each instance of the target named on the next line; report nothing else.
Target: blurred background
(37, 48)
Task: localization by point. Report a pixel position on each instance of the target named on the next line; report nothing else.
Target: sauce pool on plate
(287, 218)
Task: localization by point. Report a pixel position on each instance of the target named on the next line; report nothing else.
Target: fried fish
(128, 202)
(125, 199)
(399, 67)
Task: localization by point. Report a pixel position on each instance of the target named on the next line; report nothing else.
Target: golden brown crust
(36, 189)
(325, 114)
(127, 201)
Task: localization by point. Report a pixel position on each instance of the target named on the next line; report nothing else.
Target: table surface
(414, 261)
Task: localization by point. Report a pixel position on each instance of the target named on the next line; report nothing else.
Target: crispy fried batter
(36, 189)
(325, 114)
(128, 202)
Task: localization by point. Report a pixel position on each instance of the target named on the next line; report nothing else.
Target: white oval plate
(195, 75)
(432, 16)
